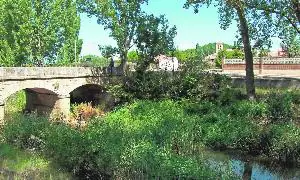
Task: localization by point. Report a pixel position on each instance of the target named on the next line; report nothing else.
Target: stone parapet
(21, 73)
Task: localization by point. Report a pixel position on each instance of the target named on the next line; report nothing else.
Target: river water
(243, 166)
(248, 167)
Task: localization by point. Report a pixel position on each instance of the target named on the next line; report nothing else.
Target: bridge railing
(265, 60)
(263, 63)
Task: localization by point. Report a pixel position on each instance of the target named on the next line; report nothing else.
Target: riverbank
(20, 164)
(165, 138)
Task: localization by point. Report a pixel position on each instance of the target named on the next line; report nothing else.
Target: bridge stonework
(48, 88)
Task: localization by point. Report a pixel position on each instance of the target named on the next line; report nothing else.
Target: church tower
(219, 47)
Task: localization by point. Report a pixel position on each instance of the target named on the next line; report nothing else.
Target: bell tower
(219, 47)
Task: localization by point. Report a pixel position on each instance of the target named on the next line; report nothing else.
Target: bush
(279, 107)
(252, 110)
(192, 82)
(160, 139)
(26, 131)
(82, 113)
(285, 142)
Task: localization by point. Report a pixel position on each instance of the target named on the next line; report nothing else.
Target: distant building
(219, 47)
(167, 63)
(212, 57)
(277, 53)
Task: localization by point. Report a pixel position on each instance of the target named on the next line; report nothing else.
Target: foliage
(82, 113)
(199, 53)
(15, 103)
(26, 132)
(284, 14)
(133, 56)
(157, 138)
(26, 165)
(154, 37)
(292, 46)
(108, 52)
(280, 107)
(129, 26)
(120, 17)
(284, 141)
(252, 26)
(192, 82)
(94, 61)
(38, 32)
(144, 139)
(235, 53)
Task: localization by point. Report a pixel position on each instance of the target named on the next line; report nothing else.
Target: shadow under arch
(39, 100)
(95, 94)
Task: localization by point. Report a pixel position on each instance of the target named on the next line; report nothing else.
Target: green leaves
(38, 32)
(129, 26)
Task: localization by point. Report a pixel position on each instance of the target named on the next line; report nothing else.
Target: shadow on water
(247, 167)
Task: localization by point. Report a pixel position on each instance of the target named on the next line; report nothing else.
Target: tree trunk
(248, 54)
(296, 7)
(123, 63)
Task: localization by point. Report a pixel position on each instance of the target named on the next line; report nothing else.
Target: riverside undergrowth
(160, 139)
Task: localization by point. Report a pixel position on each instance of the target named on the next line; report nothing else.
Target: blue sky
(192, 28)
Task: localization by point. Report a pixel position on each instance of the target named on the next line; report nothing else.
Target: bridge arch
(55, 81)
(95, 94)
(38, 99)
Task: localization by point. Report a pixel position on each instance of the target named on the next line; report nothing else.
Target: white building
(167, 63)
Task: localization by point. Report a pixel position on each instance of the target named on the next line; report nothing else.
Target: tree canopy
(38, 32)
(120, 17)
(131, 27)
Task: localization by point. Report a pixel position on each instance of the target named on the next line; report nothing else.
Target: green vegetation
(142, 139)
(234, 54)
(15, 103)
(93, 61)
(38, 33)
(199, 53)
(16, 163)
(165, 138)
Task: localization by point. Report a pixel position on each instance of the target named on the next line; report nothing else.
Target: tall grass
(18, 164)
(163, 139)
(15, 103)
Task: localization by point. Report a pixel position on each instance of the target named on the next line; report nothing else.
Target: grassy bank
(151, 139)
(18, 164)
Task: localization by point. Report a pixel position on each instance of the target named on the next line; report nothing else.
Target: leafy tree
(94, 61)
(108, 51)
(38, 32)
(292, 46)
(118, 16)
(283, 18)
(200, 52)
(154, 37)
(286, 12)
(235, 53)
(133, 56)
(228, 10)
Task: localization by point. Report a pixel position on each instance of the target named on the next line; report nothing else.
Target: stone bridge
(48, 89)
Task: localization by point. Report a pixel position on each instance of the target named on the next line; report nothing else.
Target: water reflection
(249, 168)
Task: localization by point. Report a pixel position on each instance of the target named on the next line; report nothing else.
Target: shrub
(285, 142)
(250, 109)
(82, 113)
(220, 131)
(279, 107)
(197, 85)
(26, 131)
(15, 103)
